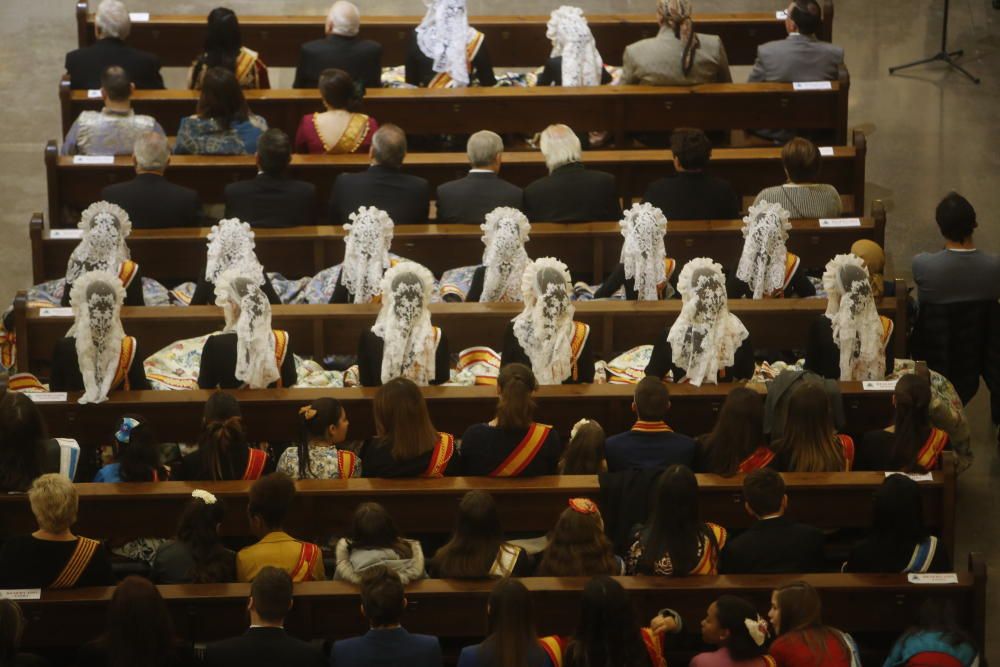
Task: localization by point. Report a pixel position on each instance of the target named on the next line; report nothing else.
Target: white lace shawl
(705, 337)
(366, 252)
(572, 40)
(256, 365)
(102, 248)
(404, 324)
(96, 299)
(504, 235)
(544, 328)
(762, 264)
(854, 319)
(644, 251)
(231, 247)
(443, 36)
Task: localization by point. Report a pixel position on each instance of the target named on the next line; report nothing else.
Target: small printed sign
(781, 15)
(932, 578)
(916, 477)
(827, 223)
(879, 385)
(46, 396)
(55, 312)
(138, 17)
(826, 151)
(65, 233)
(21, 593)
(812, 85)
(93, 159)
(94, 94)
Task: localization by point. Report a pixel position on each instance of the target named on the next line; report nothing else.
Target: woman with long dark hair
(584, 455)
(935, 631)
(25, 449)
(136, 454)
(197, 556)
(375, 540)
(340, 128)
(737, 443)
(911, 444)
(224, 48)
(796, 617)
(810, 443)
(323, 425)
(675, 541)
(223, 123)
(577, 545)
(733, 625)
(477, 548)
(223, 451)
(513, 641)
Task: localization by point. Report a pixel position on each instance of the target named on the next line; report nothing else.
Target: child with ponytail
(223, 451)
(323, 425)
(741, 634)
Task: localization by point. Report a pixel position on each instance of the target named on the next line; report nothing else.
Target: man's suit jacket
(153, 202)
(361, 58)
(387, 648)
(572, 193)
(405, 198)
(797, 58)
(86, 65)
(469, 199)
(692, 195)
(266, 201)
(263, 647)
(774, 546)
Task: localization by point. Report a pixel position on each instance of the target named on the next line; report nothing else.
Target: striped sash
(127, 271)
(346, 461)
(256, 458)
(77, 563)
(927, 457)
(653, 647)
(848, 445)
(887, 328)
(444, 449)
(280, 349)
(759, 459)
(443, 79)
(923, 556)
(125, 358)
(554, 647)
(581, 332)
(651, 427)
(524, 453)
(709, 561)
(303, 570)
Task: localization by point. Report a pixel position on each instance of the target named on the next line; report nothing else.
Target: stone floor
(930, 131)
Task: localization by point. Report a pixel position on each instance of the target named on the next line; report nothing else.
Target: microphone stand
(944, 55)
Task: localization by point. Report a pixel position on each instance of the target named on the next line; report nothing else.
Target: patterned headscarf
(677, 16)
(572, 40)
(256, 365)
(644, 252)
(504, 234)
(545, 327)
(762, 264)
(366, 253)
(443, 36)
(231, 247)
(854, 318)
(102, 248)
(404, 324)
(96, 299)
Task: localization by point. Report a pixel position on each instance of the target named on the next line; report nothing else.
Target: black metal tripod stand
(944, 55)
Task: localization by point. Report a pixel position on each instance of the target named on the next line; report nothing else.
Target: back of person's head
(577, 545)
(692, 148)
(511, 621)
(382, 596)
(337, 89)
(140, 631)
(516, 406)
(271, 593)
(389, 146)
(54, 502)
(913, 421)
(343, 19)
(198, 529)
(674, 525)
(222, 434)
(11, 628)
(807, 16)
(372, 527)
(652, 399)
(483, 149)
(116, 84)
(607, 632)
(898, 513)
(112, 20)
(738, 432)
(22, 432)
(473, 546)
(955, 217)
(585, 454)
(270, 498)
(939, 615)
(222, 98)
(315, 422)
(764, 491)
(809, 439)
(736, 617)
(402, 419)
(560, 145)
(137, 449)
(274, 152)
(799, 607)
(801, 160)
(222, 38)
(151, 152)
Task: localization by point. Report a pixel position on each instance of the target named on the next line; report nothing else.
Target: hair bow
(576, 428)
(307, 411)
(124, 433)
(583, 505)
(757, 628)
(204, 496)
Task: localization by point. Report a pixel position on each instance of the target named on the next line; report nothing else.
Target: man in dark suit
(341, 48)
(151, 201)
(405, 198)
(469, 199)
(571, 192)
(112, 25)
(692, 194)
(266, 643)
(387, 642)
(272, 199)
(650, 443)
(774, 544)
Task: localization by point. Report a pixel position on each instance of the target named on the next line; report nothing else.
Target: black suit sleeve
(373, 76)
(370, 349)
(800, 285)
(208, 374)
(743, 363)
(731, 561)
(299, 75)
(425, 202)
(512, 353)
(585, 364)
(661, 361)
(482, 66)
(203, 291)
(64, 365)
(133, 294)
(289, 376)
(333, 208)
(194, 217)
(137, 373)
(818, 348)
(476, 288)
(612, 283)
(613, 210)
(414, 61)
(442, 361)
(552, 74)
(340, 292)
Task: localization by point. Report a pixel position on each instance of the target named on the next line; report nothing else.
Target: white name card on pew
(812, 85)
(829, 223)
(826, 151)
(138, 17)
(55, 312)
(93, 159)
(879, 385)
(65, 233)
(46, 397)
(915, 476)
(932, 578)
(21, 593)
(94, 94)
(781, 15)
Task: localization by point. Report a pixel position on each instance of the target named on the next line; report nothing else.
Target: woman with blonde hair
(577, 545)
(809, 442)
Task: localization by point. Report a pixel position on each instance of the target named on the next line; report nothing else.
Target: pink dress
(357, 136)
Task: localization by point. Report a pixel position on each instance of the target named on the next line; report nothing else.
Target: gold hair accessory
(307, 411)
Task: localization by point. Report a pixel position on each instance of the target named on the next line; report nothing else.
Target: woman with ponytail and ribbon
(741, 634)
(223, 452)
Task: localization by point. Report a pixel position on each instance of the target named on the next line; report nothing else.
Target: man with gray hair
(151, 201)
(111, 26)
(469, 199)
(571, 192)
(341, 49)
(406, 198)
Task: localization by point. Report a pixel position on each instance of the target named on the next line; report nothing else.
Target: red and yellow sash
(554, 646)
(709, 561)
(280, 349)
(346, 461)
(848, 444)
(303, 570)
(8, 348)
(887, 329)
(581, 332)
(927, 457)
(653, 647)
(77, 563)
(127, 271)
(443, 79)
(759, 459)
(444, 449)
(24, 382)
(651, 427)
(125, 358)
(524, 453)
(256, 459)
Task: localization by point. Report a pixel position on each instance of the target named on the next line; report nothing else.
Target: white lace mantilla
(762, 264)
(544, 328)
(504, 235)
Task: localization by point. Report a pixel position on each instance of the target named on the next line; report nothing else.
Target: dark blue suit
(649, 445)
(387, 648)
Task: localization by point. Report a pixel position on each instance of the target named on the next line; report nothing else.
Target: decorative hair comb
(124, 433)
(583, 505)
(204, 496)
(307, 411)
(757, 627)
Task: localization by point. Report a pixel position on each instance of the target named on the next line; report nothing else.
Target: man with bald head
(342, 49)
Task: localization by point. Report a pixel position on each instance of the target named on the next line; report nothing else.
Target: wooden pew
(875, 609)
(513, 41)
(319, 330)
(73, 187)
(589, 249)
(621, 109)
